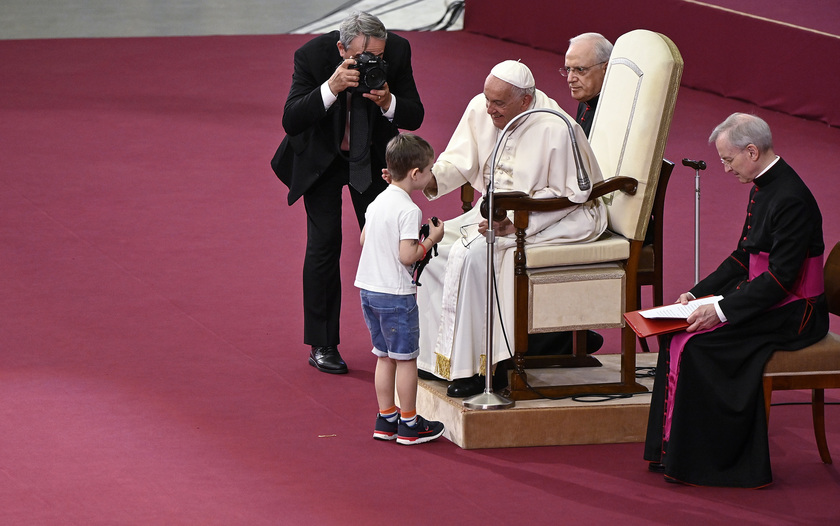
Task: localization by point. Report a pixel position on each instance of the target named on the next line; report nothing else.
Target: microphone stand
(697, 165)
(488, 399)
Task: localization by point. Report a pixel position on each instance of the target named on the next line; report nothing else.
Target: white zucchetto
(514, 72)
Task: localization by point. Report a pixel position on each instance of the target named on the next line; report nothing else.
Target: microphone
(697, 165)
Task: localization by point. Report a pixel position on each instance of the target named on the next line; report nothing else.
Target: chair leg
(644, 344)
(767, 383)
(818, 410)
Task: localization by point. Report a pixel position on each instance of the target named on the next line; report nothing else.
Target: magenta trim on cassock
(809, 284)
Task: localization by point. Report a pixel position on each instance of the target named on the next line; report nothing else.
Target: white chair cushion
(608, 247)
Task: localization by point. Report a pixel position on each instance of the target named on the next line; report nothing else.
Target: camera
(372, 72)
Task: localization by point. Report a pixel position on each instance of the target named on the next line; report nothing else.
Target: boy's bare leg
(384, 380)
(407, 384)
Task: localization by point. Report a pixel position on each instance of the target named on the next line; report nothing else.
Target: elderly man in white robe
(535, 157)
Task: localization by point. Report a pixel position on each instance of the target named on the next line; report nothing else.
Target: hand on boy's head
(386, 175)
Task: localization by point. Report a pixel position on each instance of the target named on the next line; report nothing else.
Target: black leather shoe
(656, 467)
(474, 385)
(500, 375)
(464, 387)
(594, 341)
(327, 360)
(560, 343)
(426, 375)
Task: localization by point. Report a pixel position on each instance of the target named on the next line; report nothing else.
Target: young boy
(390, 246)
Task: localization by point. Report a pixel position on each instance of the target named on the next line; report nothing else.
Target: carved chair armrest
(521, 204)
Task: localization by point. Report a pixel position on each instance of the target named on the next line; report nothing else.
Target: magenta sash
(809, 284)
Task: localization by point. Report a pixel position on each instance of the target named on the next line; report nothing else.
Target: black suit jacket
(586, 113)
(313, 135)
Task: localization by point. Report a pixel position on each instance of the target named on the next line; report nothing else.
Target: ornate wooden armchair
(589, 285)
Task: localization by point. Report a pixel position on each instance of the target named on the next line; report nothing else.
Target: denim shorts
(394, 324)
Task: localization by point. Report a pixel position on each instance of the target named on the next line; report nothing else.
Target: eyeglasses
(465, 235)
(728, 162)
(579, 71)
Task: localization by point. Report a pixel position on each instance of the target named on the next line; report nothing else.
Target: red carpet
(151, 364)
(815, 16)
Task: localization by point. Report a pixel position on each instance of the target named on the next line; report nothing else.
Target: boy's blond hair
(405, 152)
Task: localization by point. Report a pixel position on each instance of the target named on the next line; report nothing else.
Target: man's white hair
(603, 47)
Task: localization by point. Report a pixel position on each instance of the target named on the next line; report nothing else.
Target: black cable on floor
(585, 398)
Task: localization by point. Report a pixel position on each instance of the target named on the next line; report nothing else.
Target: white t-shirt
(390, 218)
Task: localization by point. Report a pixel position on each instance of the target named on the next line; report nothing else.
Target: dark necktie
(360, 176)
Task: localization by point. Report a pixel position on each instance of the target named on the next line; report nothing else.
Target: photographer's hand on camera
(344, 77)
(381, 97)
(347, 76)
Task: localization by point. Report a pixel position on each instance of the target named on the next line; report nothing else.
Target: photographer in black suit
(338, 119)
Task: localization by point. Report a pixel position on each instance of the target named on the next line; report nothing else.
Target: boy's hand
(386, 175)
(436, 230)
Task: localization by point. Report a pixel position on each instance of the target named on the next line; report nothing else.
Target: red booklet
(665, 319)
(645, 327)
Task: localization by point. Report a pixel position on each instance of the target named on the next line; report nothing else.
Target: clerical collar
(772, 163)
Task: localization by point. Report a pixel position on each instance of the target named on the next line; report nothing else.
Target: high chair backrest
(644, 71)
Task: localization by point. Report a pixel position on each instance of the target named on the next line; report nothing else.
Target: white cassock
(536, 158)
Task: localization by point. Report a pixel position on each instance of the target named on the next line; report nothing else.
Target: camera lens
(375, 78)
(372, 70)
